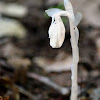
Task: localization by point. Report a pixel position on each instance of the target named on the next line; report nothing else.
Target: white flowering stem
(56, 32)
(74, 90)
(75, 51)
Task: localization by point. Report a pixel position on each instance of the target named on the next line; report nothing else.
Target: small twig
(50, 83)
(25, 92)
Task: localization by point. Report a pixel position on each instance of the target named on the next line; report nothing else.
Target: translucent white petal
(52, 11)
(78, 18)
(68, 6)
(57, 33)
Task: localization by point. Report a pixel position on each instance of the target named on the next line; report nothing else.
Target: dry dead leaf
(96, 94)
(11, 27)
(19, 62)
(6, 98)
(9, 50)
(54, 66)
(13, 10)
(21, 66)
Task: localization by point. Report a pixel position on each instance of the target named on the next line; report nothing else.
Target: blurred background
(30, 69)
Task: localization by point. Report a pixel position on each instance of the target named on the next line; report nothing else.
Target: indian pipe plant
(57, 36)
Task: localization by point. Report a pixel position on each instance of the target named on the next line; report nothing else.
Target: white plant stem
(75, 51)
(55, 33)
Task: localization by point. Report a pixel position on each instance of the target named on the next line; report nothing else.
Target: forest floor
(31, 70)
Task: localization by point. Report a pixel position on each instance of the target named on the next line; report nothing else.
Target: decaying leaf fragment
(11, 27)
(5, 98)
(13, 10)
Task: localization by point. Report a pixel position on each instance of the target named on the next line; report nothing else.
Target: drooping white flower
(56, 32)
(57, 29)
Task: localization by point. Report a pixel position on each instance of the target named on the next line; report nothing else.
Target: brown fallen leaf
(1, 98)
(13, 28)
(19, 62)
(9, 50)
(54, 65)
(13, 10)
(6, 98)
(21, 66)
